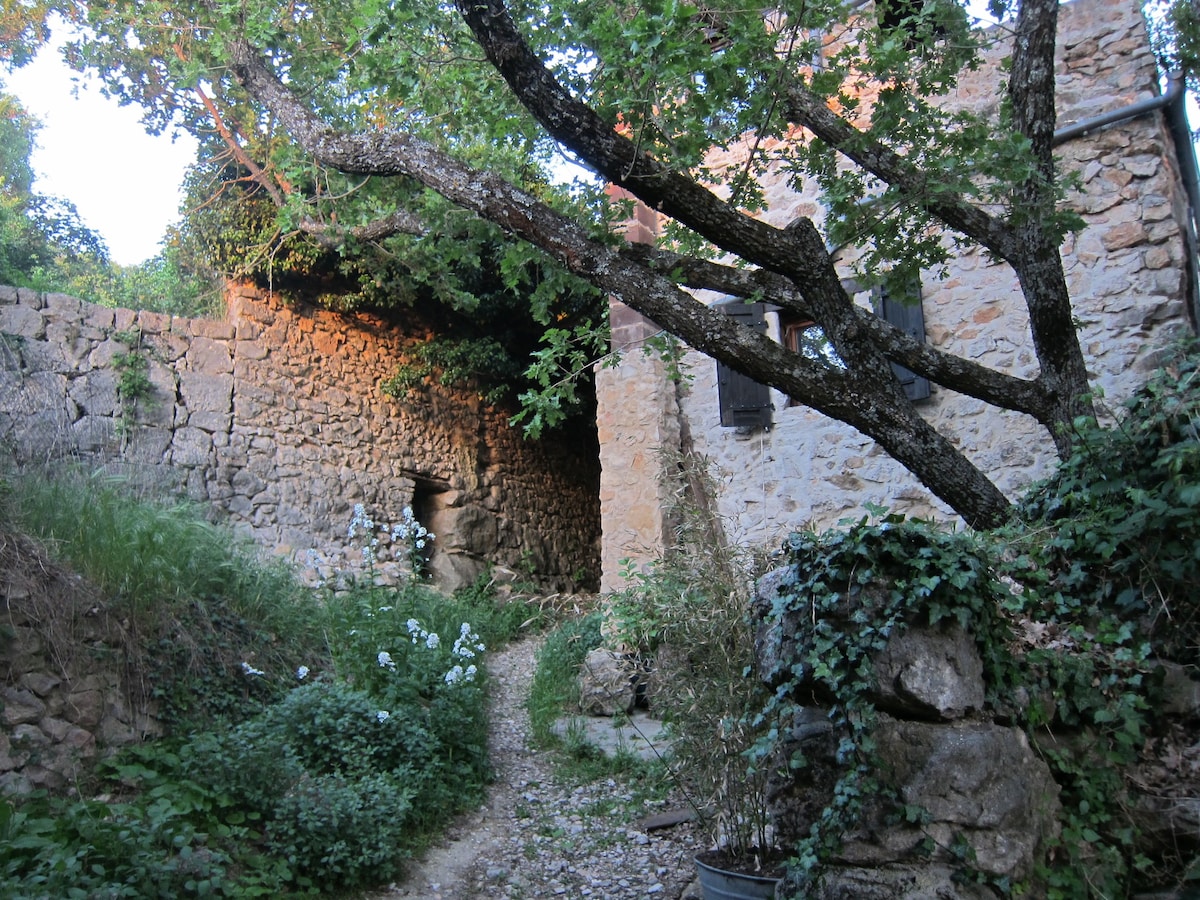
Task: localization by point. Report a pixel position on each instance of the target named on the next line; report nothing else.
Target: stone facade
(275, 416)
(1126, 271)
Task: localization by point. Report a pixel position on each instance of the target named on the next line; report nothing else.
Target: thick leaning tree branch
(948, 370)
(1038, 264)
(838, 393)
(400, 222)
(797, 253)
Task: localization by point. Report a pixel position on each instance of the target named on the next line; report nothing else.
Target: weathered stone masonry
(275, 416)
(1127, 273)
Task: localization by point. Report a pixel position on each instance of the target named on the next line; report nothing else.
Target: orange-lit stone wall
(275, 416)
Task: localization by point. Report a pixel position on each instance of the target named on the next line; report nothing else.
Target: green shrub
(337, 730)
(555, 687)
(198, 601)
(56, 849)
(315, 745)
(344, 832)
(1116, 530)
(1103, 560)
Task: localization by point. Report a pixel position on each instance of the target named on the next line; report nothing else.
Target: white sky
(95, 153)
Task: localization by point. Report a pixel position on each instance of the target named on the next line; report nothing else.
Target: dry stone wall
(1126, 273)
(64, 693)
(275, 416)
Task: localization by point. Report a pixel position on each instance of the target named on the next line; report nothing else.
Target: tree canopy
(46, 245)
(425, 134)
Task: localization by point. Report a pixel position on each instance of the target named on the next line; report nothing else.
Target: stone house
(781, 466)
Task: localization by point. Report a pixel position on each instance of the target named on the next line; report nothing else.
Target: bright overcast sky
(125, 184)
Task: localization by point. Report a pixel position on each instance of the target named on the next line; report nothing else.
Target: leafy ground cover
(1078, 606)
(314, 741)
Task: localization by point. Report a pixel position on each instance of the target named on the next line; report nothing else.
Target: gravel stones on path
(537, 837)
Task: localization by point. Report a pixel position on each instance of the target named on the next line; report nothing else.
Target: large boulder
(608, 684)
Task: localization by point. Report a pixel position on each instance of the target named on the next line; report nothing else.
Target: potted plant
(688, 615)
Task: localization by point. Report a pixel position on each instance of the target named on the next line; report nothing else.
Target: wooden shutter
(744, 402)
(911, 318)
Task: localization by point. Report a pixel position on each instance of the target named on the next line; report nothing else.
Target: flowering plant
(416, 539)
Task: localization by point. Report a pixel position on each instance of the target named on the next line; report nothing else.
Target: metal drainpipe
(1173, 102)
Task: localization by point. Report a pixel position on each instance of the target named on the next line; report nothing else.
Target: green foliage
(457, 362)
(133, 377)
(342, 832)
(859, 587)
(1069, 606)
(52, 849)
(37, 232)
(687, 617)
(555, 688)
(199, 601)
(316, 746)
(1116, 531)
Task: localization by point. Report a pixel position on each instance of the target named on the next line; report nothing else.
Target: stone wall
(64, 696)
(275, 416)
(1126, 274)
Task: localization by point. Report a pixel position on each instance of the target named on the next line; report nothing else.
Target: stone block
(980, 783)
(191, 447)
(95, 392)
(55, 728)
(40, 683)
(209, 392)
(930, 674)
(607, 684)
(23, 321)
(21, 707)
(210, 357)
(85, 708)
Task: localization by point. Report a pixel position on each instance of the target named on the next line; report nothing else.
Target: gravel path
(536, 837)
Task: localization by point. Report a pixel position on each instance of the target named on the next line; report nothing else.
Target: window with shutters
(744, 402)
(905, 313)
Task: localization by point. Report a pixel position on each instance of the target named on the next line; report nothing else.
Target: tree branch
(400, 222)
(865, 395)
(1038, 264)
(948, 370)
(809, 110)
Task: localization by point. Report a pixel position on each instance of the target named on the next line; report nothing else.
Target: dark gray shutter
(911, 318)
(744, 402)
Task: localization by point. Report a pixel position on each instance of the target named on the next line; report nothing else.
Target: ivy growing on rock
(1077, 610)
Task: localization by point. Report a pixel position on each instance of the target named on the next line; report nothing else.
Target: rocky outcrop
(64, 699)
(958, 785)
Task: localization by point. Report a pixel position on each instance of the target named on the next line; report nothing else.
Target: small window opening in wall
(745, 403)
(806, 337)
(425, 506)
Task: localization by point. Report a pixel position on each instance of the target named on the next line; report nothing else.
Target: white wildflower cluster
(415, 536)
(411, 531)
(465, 648)
(468, 643)
(361, 522)
(382, 716)
(458, 673)
(250, 671)
(419, 635)
(302, 673)
(385, 660)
